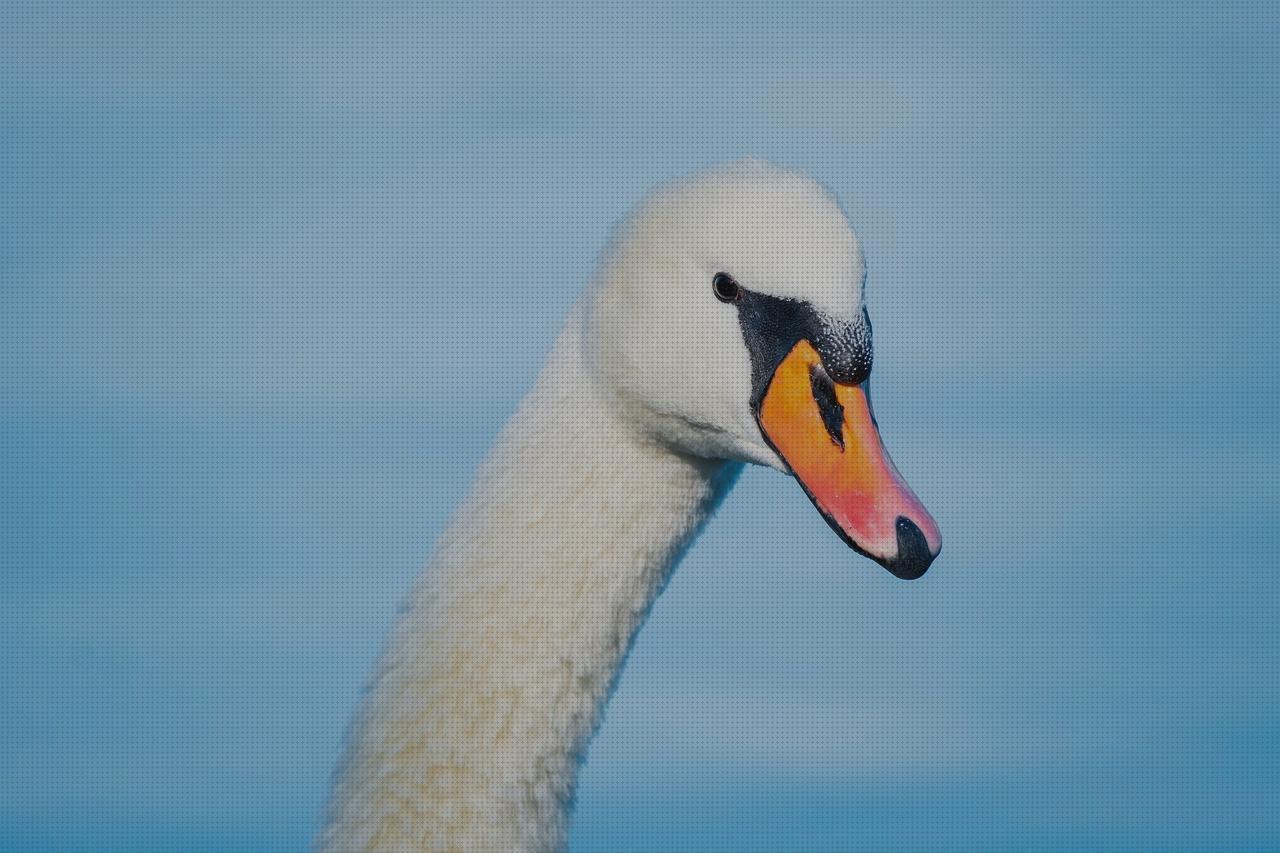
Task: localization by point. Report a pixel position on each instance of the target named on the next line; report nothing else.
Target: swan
(724, 325)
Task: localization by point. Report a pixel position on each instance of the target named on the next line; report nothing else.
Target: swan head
(727, 320)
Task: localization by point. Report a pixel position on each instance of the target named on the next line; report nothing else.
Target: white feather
(497, 670)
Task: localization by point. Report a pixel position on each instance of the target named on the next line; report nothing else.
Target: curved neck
(495, 675)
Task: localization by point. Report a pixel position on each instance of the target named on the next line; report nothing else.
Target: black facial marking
(771, 326)
(824, 393)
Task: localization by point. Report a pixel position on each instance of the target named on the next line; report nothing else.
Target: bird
(725, 325)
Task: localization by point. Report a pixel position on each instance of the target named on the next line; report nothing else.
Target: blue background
(274, 275)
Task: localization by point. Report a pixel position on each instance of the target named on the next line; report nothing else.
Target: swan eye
(726, 288)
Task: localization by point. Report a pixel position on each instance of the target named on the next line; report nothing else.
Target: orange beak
(827, 435)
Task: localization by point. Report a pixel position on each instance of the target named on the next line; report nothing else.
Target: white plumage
(495, 675)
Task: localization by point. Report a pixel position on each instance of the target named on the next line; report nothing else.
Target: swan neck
(472, 732)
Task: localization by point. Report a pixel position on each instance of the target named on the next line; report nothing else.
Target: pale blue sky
(273, 275)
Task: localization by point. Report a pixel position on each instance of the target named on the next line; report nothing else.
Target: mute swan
(724, 325)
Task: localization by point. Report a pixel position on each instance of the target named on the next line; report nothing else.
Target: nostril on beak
(913, 557)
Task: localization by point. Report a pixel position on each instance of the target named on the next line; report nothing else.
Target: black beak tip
(913, 557)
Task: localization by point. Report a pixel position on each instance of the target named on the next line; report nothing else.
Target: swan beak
(827, 435)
